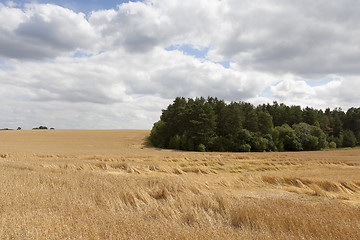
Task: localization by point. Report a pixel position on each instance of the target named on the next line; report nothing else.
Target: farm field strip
(108, 184)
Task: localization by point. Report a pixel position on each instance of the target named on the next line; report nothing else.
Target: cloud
(291, 88)
(279, 36)
(119, 67)
(305, 38)
(134, 114)
(115, 76)
(43, 31)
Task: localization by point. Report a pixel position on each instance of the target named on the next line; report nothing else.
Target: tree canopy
(212, 125)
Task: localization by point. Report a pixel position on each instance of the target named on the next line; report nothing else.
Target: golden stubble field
(90, 184)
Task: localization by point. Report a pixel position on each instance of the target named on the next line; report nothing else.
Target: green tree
(287, 139)
(213, 125)
(175, 142)
(159, 135)
(242, 138)
(265, 124)
(349, 139)
(174, 117)
(321, 136)
(201, 121)
(252, 121)
(229, 120)
(310, 116)
(259, 144)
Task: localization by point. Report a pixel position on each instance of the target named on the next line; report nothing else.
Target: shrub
(332, 144)
(259, 144)
(201, 148)
(244, 148)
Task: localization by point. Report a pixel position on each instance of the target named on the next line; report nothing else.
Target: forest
(213, 125)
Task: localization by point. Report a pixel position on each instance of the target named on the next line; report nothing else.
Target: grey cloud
(44, 31)
(139, 43)
(11, 47)
(306, 38)
(72, 95)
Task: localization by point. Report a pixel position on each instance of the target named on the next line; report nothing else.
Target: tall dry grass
(174, 195)
(57, 203)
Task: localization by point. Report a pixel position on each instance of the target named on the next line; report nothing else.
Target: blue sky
(119, 68)
(84, 6)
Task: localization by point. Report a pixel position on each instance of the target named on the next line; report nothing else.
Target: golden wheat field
(92, 184)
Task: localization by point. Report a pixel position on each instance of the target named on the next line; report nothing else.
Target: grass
(124, 190)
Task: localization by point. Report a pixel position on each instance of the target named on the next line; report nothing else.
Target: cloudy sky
(107, 64)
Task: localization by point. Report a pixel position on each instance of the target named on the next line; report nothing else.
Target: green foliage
(158, 136)
(339, 140)
(321, 137)
(332, 145)
(213, 125)
(349, 139)
(307, 140)
(175, 142)
(259, 144)
(265, 124)
(270, 143)
(244, 148)
(201, 148)
(311, 137)
(41, 127)
(287, 139)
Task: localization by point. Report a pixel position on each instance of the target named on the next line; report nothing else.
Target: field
(87, 184)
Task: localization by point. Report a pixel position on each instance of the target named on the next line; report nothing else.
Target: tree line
(213, 125)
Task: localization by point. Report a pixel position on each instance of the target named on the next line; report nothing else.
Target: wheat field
(108, 184)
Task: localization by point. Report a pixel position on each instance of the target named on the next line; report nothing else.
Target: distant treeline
(213, 125)
(35, 128)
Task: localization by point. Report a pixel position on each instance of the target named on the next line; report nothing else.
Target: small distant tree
(41, 127)
(19, 128)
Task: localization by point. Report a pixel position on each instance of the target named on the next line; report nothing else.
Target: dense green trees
(213, 125)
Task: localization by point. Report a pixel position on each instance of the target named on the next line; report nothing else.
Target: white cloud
(289, 88)
(43, 31)
(125, 75)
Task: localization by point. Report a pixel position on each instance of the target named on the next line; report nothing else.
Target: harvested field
(107, 184)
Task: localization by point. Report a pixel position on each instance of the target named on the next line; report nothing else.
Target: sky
(116, 64)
